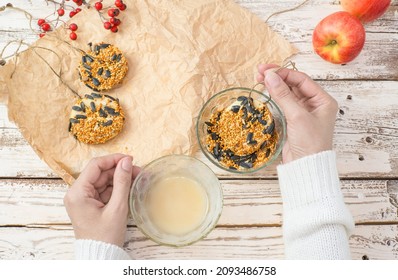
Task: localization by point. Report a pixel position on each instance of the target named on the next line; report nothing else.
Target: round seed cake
(96, 118)
(103, 67)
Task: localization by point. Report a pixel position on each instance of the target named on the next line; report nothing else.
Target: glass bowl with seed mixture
(241, 134)
(176, 200)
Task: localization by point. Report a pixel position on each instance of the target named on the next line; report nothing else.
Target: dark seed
(114, 57)
(253, 142)
(96, 49)
(88, 96)
(214, 136)
(77, 108)
(96, 95)
(263, 145)
(245, 126)
(209, 124)
(244, 113)
(104, 46)
(83, 106)
(263, 122)
(241, 98)
(73, 121)
(249, 108)
(269, 129)
(92, 106)
(119, 57)
(253, 120)
(89, 74)
(102, 113)
(96, 82)
(110, 97)
(232, 167)
(235, 108)
(87, 66)
(244, 102)
(253, 157)
(267, 153)
(209, 131)
(90, 45)
(107, 123)
(107, 73)
(216, 151)
(246, 164)
(229, 153)
(70, 126)
(111, 111)
(235, 158)
(81, 117)
(84, 59)
(218, 116)
(89, 58)
(99, 72)
(90, 87)
(249, 137)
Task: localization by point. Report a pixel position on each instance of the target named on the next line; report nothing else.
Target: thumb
(281, 93)
(121, 183)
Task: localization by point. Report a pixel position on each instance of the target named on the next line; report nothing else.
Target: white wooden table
(34, 224)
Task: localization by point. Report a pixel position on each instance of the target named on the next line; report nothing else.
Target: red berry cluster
(48, 25)
(113, 22)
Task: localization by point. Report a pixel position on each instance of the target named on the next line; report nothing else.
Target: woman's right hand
(310, 111)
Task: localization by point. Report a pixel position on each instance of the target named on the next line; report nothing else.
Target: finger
(121, 183)
(136, 171)
(96, 166)
(282, 94)
(104, 179)
(106, 194)
(305, 85)
(264, 67)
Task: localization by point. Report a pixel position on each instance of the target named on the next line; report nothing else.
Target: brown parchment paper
(179, 54)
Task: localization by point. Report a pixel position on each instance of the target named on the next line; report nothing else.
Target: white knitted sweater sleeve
(97, 250)
(316, 222)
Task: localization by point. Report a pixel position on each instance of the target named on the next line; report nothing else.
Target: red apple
(366, 10)
(339, 38)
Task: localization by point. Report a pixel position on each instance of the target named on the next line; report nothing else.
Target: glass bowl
(169, 168)
(225, 99)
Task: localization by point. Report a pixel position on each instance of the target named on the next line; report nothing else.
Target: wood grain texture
(246, 203)
(375, 242)
(366, 136)
(377, 60)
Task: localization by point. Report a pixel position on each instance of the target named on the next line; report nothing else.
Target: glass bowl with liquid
(176, 200)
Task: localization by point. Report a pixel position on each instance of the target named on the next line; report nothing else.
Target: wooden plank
(365, 136)
(377, 60)
(374, 242)
(249, 202)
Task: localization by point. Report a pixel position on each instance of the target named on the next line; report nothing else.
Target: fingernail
(272, 79)
(127, 164)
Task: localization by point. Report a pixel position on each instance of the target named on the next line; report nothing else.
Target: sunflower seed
(244, 113)
(114, 57)
(209, 124)
(70, 126)
(96, 95)
(267, 153)
(92, 106)
(246, 164)
(87, 66)
(104, 46)
(265, 143)
(263, 122)
(232, 167)
(119, 57)
(107, 123)
(253, 142)
(242, 98)
(216, 151)
(229, 153)
(90, 87)
(83, 106)
(249, 137)
(102, 113)
(107, 73)
(73, 121)
(81, 117)
(235, 158)
(270, 128)
(84, 59)
(99, 72)
(88, 96)
(214, 136)
(96, 82)
(209, 131)
(77, 108)
(111, 111)
(96, 49)
(89, 58)
(235, 108)
(110, 97)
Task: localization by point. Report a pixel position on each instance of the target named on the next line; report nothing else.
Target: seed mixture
(242, 136)
(96, 118)
(103, 67)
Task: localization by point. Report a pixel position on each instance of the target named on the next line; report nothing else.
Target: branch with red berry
(112, 22)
